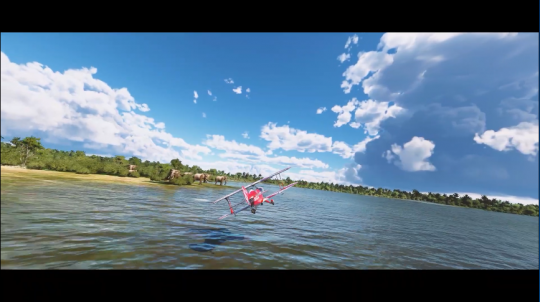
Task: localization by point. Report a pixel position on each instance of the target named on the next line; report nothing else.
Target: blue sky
(434, 112)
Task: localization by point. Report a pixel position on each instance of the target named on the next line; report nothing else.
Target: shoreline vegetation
(29, 153)
(59, 176)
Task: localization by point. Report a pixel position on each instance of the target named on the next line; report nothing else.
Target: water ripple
(108, 226)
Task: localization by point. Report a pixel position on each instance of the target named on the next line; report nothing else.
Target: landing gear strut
(253, 211)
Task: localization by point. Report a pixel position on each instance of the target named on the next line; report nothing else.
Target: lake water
(75, 225)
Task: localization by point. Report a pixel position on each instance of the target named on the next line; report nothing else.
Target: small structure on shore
(132, 168)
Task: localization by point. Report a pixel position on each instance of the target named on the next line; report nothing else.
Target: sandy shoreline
(18, 171)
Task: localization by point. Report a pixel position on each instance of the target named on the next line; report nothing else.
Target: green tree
(27, 147)
(177, 164)
(288, 180)
(196, 169)
(135, 161)
(121, 160)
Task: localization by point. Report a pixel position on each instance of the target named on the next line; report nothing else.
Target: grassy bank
(30, 174)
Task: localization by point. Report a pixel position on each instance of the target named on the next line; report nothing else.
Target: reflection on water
(213, 238)
(77, 225)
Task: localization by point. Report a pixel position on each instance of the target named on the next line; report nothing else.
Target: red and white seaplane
(254, 197)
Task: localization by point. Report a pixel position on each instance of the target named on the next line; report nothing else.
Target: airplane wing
(282, 189)
(242, 209)
(252, 184)
(248, 206)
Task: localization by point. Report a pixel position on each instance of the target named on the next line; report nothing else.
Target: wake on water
(201, 199)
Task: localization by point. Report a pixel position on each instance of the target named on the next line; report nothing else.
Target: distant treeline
(30, 153)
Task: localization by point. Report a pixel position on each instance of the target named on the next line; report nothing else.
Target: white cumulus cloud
(367, 62)
(74, 105)
(248, 90)
(203, 114)
(290, 139)
(346, 151)
(238, 90)
(321, 110)
(361, 146)
(371, 113)
(452, 88)
(255, 155)
(348, 175)
(287, 138)
(229, 81)
(351, 40)
(344, 112)
(522, 137)
(413, 155)
(343, 57)
(245, 134)
(368, 113)
(342, 149)
(219, 142)
(209, 92)
(196, 96)
(418, 45)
